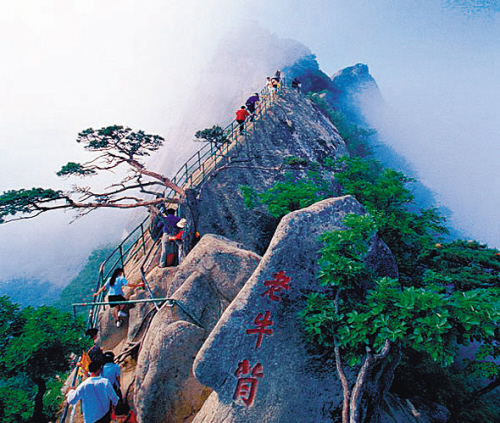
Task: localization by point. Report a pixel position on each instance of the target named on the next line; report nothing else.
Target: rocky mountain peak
(355, 90)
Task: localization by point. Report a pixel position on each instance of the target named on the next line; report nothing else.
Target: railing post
(143, 239)
(232, 133)
(121, 255)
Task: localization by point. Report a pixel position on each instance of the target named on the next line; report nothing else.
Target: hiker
(178, 239)
(296, 84)
(158, 212)
(250, 103)
(123, 413)
(270, 87)
(115, 284)
(168, 224)
(111, 371)
(97, 396)
(275, 80)
(241, 115)
(93, 354)
(92, 334)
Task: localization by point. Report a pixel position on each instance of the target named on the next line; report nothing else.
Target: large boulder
(257, 359)
(203, 286)
(113, 338)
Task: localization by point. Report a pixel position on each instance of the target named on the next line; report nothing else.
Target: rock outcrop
(203, 286)
(292, 128)
(257, 359)
(396, 410)
(229, 347)
(355, 90)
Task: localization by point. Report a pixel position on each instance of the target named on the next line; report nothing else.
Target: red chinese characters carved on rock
(246, 387)
(262, 321)
(279, 282)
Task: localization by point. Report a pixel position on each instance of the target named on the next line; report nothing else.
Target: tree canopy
(445, 297)
(214, 135)
(36, 345)
(117, 150)
(444, 311)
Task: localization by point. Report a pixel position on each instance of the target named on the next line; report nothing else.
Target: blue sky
(71, 64)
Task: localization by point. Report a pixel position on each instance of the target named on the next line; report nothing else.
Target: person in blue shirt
(115, 284)
(97, 396)
(111, 371)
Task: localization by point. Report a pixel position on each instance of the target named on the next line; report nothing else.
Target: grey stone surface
(204, 284)
(295, 382)
(293, 127)
(415, 410)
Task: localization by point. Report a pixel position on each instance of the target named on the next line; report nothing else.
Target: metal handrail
(192, 166)
(192, 173)
(183, 178)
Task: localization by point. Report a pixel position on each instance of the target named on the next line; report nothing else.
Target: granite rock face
(257, 359)
(355, 90)
(396, 410)
(292, 128)
(134, 326)
(203, 286)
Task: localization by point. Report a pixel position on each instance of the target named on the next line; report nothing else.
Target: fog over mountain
(172, 69)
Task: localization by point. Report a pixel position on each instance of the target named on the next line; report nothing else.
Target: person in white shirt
(97, 396)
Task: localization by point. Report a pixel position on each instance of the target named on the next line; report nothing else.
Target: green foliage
(115, 147)
(295, 161)
(384, 194)
(12, 321)
(121, 139)
(35, 349)
(341, 262)
(290, 195)
(16, 401)
(26, 201)
(433, 317)
(249, 196)
(214, 135)
(467, 264)
(43, 346)
(355, 136)
(17, 396)
(54, 397)
(295, 192)
(419, 376)
(72, 168)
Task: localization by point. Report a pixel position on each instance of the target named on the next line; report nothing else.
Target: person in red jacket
(241, 116)
(179, 238)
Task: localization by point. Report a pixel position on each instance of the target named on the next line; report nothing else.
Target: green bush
(428, 320)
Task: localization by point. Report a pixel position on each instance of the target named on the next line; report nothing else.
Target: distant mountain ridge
(30, 292)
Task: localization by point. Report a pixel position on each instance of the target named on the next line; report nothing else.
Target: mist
(172, 69)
